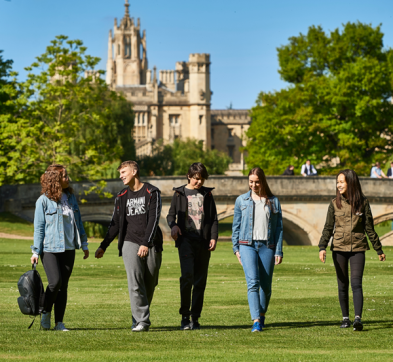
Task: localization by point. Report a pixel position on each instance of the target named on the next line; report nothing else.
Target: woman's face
(341, 184)
(64, 180)
(254, 183)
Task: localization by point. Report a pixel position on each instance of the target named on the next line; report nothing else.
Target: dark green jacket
(349, 230)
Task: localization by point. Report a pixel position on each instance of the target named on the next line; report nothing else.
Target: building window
(138, 116)
(174, 120)
(213, 147)
(143, 118)
(230, 135)
(200, 119)
(212, 134)
(231, 151)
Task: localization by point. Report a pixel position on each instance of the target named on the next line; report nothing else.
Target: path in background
(12, 236)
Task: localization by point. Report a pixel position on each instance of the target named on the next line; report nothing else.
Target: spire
(127, 5)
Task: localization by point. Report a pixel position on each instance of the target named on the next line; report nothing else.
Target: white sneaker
(45, 321)
(140, 328)
(61, 327)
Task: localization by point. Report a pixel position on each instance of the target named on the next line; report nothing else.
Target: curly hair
(50, 182)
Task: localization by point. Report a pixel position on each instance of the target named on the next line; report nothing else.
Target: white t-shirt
(261, 220)
(68, 223)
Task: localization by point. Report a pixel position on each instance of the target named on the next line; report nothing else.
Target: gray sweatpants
(142, 276)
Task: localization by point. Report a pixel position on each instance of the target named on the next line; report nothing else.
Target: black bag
(31, 289)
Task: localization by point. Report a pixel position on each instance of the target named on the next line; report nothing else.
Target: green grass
(11, 224)
(302, 321)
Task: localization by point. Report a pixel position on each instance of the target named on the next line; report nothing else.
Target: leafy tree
(176, 158)
(65, 114)
(338, 103)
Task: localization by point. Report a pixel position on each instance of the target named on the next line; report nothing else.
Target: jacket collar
(204, 190)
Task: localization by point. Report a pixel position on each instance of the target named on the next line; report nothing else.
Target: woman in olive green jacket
(349, 218)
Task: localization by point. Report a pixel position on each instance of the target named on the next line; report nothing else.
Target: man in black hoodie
(193, 221)
(135, 219)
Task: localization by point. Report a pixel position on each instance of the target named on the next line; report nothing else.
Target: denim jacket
(242, 227)
(49, 229)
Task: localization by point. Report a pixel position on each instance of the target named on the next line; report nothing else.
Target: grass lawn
(12, 224)
(302, 322)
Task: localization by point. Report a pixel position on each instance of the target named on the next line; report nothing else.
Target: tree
(338, 103)
(65, 114)
(176, 158)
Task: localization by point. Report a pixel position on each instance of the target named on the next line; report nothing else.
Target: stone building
(173, 103)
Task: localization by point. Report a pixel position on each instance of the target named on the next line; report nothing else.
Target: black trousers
(58, 268)
(356, 261)
(194, 263)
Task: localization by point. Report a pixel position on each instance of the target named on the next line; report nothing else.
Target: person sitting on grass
(58, 231)
(349, 217)
(257, 232)
(135, 219)
(193, 221)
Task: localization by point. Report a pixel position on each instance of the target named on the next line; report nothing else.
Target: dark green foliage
(338, 104)
(176, 158)
(94, 229)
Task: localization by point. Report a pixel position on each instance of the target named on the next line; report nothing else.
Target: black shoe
(357, 324)
(185, 324)
(195, 325)
(346, 323)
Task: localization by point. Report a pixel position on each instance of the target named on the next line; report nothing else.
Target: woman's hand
(86, 254)
(322, 256)
(175, 232)
(34, 259)
(278, 260)
(382, 257)
(239, 258)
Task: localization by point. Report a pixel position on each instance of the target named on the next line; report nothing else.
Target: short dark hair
(131, 164)
(197, 168)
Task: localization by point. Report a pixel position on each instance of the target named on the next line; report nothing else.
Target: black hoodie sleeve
(154, 218)
(113, 228)
(171, 217)
(214, 228)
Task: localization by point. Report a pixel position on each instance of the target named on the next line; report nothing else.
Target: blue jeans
(258, 265)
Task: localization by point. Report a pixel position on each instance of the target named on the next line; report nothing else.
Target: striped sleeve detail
(157, 218)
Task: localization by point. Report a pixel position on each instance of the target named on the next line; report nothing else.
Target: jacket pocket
(50, 215)
(338, 236)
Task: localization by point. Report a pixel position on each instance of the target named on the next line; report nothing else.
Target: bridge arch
(383, 217)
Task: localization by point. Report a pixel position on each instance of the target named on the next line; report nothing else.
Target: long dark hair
(265, 189)
(354, 191)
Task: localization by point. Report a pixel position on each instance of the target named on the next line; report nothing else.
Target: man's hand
(212, 245)
(100, 253)
(86, 254)
(143, 251)
(382, 257)
(322, 256)
(239, 258)
(278, 260)
(34, 259)
(175, 232)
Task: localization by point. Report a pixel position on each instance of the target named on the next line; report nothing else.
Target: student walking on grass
(135, 219)
(257, 242)
(58, 231)
(193, 221)
(348, 219)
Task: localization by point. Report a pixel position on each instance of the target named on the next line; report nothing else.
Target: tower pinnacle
(127, 5)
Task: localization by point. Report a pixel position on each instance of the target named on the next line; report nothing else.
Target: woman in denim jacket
(58, 231)
(257, 242)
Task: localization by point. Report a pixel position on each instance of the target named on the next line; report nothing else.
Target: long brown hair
(354, 191)
(50, 182)
(264, 187)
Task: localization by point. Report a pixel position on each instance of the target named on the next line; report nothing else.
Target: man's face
(308, 163)
(127, 174)
(196, 182)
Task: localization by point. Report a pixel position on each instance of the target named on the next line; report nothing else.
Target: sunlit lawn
(302, 323)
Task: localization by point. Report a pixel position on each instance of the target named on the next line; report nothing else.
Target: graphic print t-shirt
(194, 215)
(136, 205)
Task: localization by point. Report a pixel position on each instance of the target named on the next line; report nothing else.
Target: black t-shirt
(194, 214)
(136, 220)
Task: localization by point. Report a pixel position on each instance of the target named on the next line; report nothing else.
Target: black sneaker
(346, 323)
(185, 324)
(195, 325)
(357, 324)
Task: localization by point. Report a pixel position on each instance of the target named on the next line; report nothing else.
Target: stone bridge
(304, 201)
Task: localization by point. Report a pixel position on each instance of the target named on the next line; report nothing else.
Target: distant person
(390, 170)
(58, 231)
(135, 219)
(348, 219)
(193, 221)
(376, 171)
(308, 169)
(257, 232)
(289, 171)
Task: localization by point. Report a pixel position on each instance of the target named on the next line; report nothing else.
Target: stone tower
(127, 54)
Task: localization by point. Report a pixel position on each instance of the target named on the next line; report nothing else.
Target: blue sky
(241, 36)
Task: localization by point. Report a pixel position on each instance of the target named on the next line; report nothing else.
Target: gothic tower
(127, 54)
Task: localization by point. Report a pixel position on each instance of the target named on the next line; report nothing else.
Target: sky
(241, 36)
